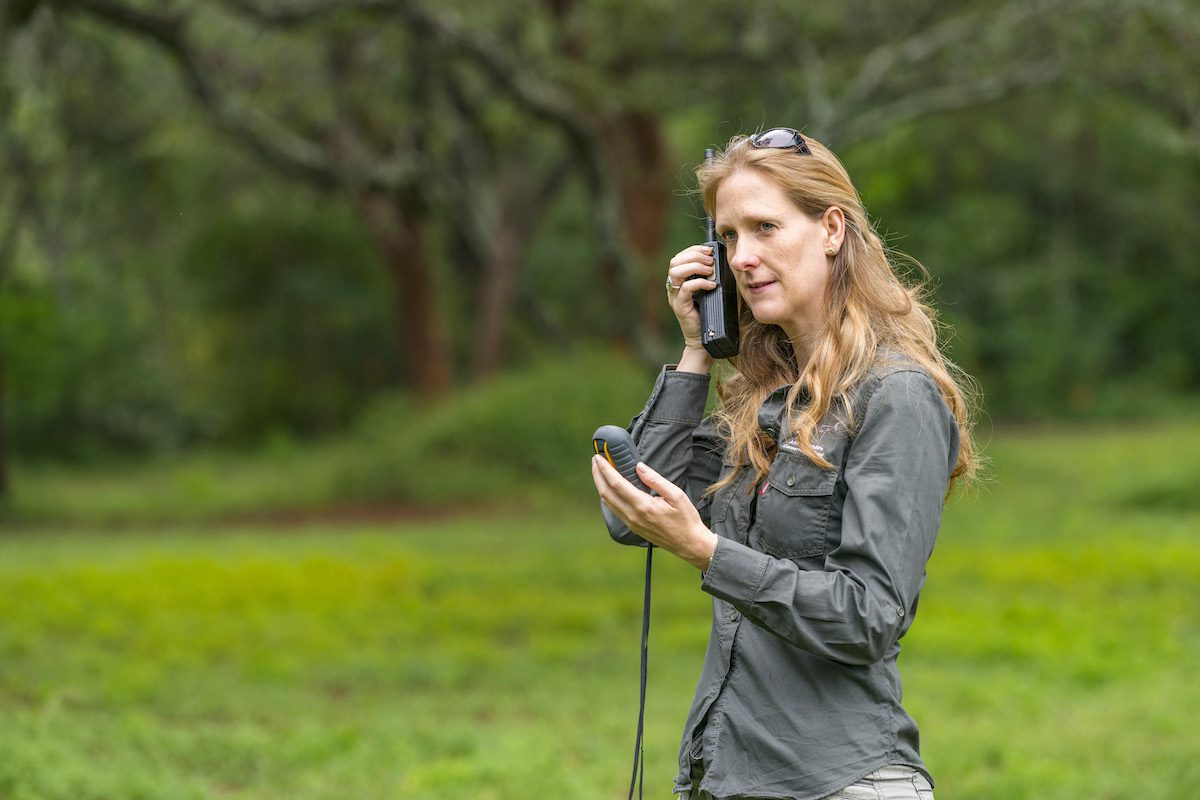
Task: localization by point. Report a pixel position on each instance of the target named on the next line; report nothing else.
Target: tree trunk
(497, 296)
(397, 226)
(522, 199)
(640, 153)
(647, 206)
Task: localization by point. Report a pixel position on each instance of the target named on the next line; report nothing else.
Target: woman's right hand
(696, 260)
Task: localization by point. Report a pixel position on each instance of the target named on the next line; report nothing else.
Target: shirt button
(791, 481)
(899, 612)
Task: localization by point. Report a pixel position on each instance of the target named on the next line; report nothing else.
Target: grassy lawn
(495, 656)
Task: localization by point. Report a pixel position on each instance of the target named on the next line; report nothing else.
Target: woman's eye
(766, 226)
(728, 236)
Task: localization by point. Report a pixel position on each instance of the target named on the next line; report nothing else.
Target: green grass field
(495, 655)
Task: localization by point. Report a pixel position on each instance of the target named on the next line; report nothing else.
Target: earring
(830, 251)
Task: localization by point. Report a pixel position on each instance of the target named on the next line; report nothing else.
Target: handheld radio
(718, 307)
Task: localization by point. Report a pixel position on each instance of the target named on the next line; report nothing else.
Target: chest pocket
(793, 512)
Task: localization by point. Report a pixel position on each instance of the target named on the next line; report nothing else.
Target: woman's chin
(767, 315)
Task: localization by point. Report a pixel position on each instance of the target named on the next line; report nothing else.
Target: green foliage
(531, 427)
(170, 287)
(158, 296)
(291, 310)
(1065, 297)
(524, 435)
(495, 654)
(81, 381)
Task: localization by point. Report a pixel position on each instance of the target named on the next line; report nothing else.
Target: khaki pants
(888, 783)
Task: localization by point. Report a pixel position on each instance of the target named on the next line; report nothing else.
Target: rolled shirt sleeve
(674, 438)
(895, 477)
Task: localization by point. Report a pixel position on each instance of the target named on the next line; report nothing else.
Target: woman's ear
(834, 223)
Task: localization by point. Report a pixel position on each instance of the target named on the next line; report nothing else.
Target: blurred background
(309, 307)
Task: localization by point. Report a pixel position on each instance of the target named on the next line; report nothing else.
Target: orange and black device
(616, 445)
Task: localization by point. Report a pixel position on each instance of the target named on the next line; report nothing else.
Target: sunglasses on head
(780, 139)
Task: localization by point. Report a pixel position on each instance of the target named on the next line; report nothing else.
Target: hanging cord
(639, 755)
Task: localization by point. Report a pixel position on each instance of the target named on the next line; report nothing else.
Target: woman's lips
(758, 286)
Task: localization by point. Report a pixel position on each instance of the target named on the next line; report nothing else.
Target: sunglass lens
(778, 137)
(781, 139)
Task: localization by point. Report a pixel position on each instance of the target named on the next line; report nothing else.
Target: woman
(811, 498)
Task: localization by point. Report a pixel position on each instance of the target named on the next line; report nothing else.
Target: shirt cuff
(735, 573)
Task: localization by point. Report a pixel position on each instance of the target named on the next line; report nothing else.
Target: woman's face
(776, 252)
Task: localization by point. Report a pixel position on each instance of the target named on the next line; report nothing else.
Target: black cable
(639, 757)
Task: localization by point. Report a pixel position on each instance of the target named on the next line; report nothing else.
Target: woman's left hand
(669, 521)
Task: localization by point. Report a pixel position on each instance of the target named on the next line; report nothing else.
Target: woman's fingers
(612, 484)
(700, 253)
(637, 509)
(667, 490)
(620, 495)
(689, 273)
(668, 520)
(695, 261)
(688, 289)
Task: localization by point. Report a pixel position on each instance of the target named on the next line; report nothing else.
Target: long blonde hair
(869, 307)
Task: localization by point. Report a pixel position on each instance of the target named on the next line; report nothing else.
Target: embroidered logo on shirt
(822, 431)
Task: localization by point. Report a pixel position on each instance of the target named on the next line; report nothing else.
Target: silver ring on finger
(671, 287)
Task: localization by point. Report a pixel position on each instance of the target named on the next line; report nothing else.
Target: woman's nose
(742, 257)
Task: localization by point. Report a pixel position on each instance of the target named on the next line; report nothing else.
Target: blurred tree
(9, 228)
(1159, 59)
(318, 92)
(331, 142)
(361, 123)
(13, 14)
(287, 326)
(514, 164)
(86, 309)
